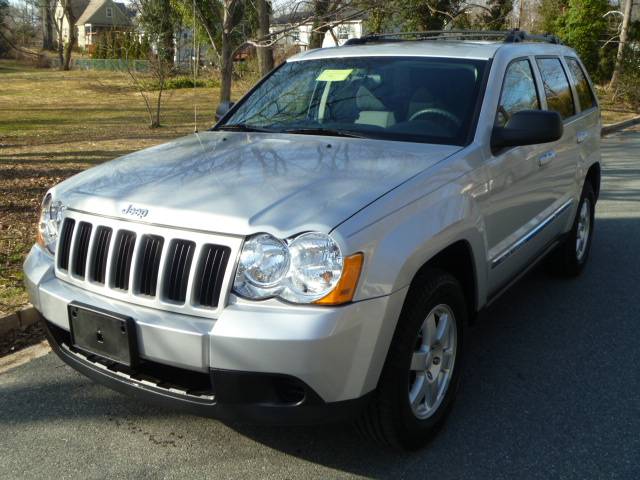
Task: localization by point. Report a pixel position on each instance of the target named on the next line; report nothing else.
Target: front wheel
(422, 370)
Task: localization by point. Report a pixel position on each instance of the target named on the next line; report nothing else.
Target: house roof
(78, 6)
(96, 14)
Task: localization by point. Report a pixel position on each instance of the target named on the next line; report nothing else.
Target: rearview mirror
(528, 127)
(223, 109)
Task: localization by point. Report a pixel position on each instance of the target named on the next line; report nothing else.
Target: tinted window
(428, 100)
(585, 95)
(518, 92)
(556, 86)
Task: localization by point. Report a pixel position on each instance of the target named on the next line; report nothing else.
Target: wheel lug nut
(429, 376)
(436, 360)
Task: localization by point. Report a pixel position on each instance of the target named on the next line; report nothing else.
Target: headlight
(264, 262)
(316, 266)
(307, 269)
(49, 224)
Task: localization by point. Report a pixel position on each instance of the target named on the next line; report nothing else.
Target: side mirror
(223, 109)
(528, 127)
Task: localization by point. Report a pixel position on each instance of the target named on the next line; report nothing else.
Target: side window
(556, 87)
(518, 91)
(585, 95)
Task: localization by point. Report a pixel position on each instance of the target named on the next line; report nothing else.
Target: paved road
(552, 390)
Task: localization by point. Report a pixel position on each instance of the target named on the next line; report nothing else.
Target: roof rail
(507, 36)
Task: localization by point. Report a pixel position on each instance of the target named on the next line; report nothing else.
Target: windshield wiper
(243, 127)
(331, 132)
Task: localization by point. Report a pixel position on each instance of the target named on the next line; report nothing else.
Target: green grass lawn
(54, 124)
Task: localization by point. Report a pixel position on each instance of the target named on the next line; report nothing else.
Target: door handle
(546, 158)
(582, 136)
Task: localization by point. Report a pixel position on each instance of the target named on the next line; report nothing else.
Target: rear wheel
(422, 369)
(572, 255)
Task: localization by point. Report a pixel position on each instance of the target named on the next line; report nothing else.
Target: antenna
(195, 70)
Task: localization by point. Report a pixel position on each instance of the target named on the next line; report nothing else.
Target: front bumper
(335, 354)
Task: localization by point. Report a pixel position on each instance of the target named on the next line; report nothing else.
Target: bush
(628, 87)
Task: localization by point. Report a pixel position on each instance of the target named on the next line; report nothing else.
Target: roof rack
(508, 36)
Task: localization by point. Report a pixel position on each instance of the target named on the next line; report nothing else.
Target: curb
(615, 127)
(23, 318)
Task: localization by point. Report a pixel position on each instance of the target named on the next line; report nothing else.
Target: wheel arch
(458, 260)
(594, 176)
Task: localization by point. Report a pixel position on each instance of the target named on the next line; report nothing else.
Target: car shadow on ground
(550, 388)
(538, 385)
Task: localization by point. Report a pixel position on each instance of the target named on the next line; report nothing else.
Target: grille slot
(100, 254)
(81, 249)
(213, 264)
(121, 265)
(177, 269)
(150, 252)
(65, 243)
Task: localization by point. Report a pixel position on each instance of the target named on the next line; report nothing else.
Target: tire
(390, 418)
(572, 254)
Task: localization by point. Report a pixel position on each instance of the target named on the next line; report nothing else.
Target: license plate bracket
(103, 333)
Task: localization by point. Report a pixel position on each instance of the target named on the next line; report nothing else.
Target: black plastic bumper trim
(232, 400)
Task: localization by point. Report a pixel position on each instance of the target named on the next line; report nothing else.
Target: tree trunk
(73, 35)
(265, 54)
(47, 26)
(624, 34)
(321, 8)
(226, 56)
(226, 69)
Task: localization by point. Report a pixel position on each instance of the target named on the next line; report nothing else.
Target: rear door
(587, 122)
(559, 162)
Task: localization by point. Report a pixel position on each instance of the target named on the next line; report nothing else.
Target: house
(298, 30)
(95, 17)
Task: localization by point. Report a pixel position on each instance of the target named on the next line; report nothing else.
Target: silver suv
(318, 254)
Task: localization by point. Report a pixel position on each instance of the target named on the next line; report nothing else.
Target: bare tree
(73, 34)
(47, 7)
(265, 54)
(624, 35)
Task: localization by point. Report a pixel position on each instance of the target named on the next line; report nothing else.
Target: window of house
(556, 87)
(343, 32)
(585, 94)
(518, 92)
(109, 12)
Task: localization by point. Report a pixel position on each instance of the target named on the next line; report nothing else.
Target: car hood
(242, 183)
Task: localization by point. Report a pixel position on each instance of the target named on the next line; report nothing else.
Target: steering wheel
(437, 111)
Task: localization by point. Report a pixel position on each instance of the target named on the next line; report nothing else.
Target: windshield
(420, 99)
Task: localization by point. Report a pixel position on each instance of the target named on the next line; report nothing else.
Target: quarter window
(585, 95)
(518, 92)
(556, 87)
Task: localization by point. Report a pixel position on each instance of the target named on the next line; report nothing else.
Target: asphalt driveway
(551, 390)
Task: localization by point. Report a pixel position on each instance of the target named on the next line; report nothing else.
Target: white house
(299, 35)
(94, 17)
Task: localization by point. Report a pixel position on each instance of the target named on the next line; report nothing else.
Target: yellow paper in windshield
(334, 75)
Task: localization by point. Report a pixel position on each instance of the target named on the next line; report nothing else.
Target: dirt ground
(54, 124)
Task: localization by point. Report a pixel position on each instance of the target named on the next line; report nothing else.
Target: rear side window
(518, 92)
(556, 87)
(585, 95)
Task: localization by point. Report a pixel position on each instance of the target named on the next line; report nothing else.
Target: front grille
(122, 256)
(159, 267)
(213, 264)
(151, 249)
(81, 249)
(177, 270)
(100, 254)
(64, 247)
